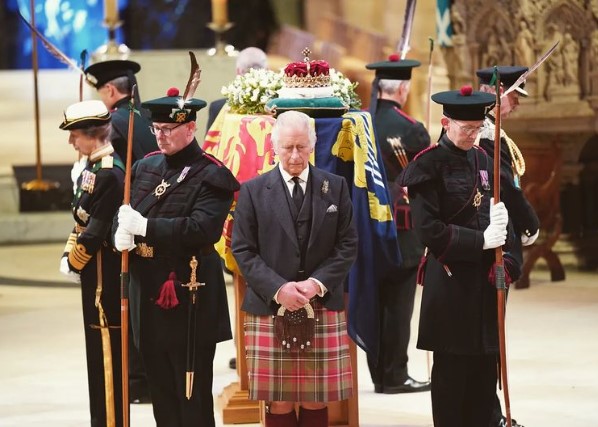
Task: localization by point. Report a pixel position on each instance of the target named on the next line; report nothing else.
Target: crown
(307, 73)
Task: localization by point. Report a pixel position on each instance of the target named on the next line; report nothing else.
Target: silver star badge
(82, 214)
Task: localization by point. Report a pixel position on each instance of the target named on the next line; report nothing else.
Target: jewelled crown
(307, 73)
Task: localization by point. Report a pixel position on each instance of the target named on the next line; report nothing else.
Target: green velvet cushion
(313, 107)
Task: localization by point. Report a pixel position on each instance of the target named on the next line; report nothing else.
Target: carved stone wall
(563, 92)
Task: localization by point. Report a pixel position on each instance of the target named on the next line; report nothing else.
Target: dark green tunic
(392, 122)
(144, 141)
(187, 220)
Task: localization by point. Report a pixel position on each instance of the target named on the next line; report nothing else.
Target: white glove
(123, 240)
(499, 215)
(529, 240)
(71, 275)
(132, 221)
(494, 236)
(78, 167)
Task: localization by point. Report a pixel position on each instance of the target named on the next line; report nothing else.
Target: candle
(219, 12)
(111, 11)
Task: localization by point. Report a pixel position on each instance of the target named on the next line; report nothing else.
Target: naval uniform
(186, 198)
(450, 191)
(397, 291)
(99, 195)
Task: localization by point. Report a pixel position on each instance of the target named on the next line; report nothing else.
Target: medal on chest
(161, 189)
(485, 180)
(88, 180)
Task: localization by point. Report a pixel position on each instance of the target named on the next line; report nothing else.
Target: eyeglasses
(469, 130)
(165, 131)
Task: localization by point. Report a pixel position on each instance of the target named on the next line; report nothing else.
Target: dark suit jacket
(213, 110)
(265, 244)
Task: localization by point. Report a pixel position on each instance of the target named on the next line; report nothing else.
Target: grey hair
(251, 57)
(121, 84)
(101, 132)
(293, 120)
(390, 87)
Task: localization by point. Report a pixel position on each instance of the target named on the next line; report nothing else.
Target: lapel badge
(161, 188)
(325, 186)
(477, 199)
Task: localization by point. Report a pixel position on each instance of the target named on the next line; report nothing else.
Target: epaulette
(213, 159)
(404, 114)
(425, 150)
(107, 162)
(153, 153)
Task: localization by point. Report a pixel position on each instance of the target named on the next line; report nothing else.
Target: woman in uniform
(90, 260)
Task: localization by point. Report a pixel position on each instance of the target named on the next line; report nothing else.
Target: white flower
(249, 93)
(344, 89)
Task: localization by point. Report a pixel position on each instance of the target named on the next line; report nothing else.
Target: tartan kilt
(321, 374)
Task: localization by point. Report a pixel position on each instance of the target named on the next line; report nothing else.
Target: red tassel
(421, 268)
(167, 298)
(492, 275)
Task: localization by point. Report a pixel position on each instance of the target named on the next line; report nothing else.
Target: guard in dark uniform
(400, 138)
(450, 186)
(90, 257)
(180, 198)
(114, 81)
(525, 221)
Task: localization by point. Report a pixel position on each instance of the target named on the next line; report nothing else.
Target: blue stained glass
(71, 25)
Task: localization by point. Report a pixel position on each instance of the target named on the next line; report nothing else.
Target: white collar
(103, 151)
(287, 176)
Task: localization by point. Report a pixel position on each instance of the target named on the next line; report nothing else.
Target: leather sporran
(295, 329)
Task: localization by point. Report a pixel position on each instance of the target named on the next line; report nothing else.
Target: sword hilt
(193, 283)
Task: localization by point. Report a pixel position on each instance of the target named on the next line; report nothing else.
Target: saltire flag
(444, 29)
(347, 147)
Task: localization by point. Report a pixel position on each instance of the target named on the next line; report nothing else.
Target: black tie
(297, 193)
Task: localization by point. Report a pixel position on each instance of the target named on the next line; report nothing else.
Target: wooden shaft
(124, 286)
(501, 299)
(35, 66)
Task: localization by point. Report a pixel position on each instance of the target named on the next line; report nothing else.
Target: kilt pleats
(320, 374)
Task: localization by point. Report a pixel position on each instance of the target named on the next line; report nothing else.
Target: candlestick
(110, 12)
(112, 49)
(219, 12)
(221, 47)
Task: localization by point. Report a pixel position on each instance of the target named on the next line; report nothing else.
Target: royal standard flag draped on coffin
(345, 146)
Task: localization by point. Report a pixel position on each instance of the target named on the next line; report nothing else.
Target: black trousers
(93, 339)
(166, 376)
(463, 389)
(397, 295)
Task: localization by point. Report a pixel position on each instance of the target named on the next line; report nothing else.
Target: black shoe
(409, 386)
(232, 363)
(503, 422)
(378, 388)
